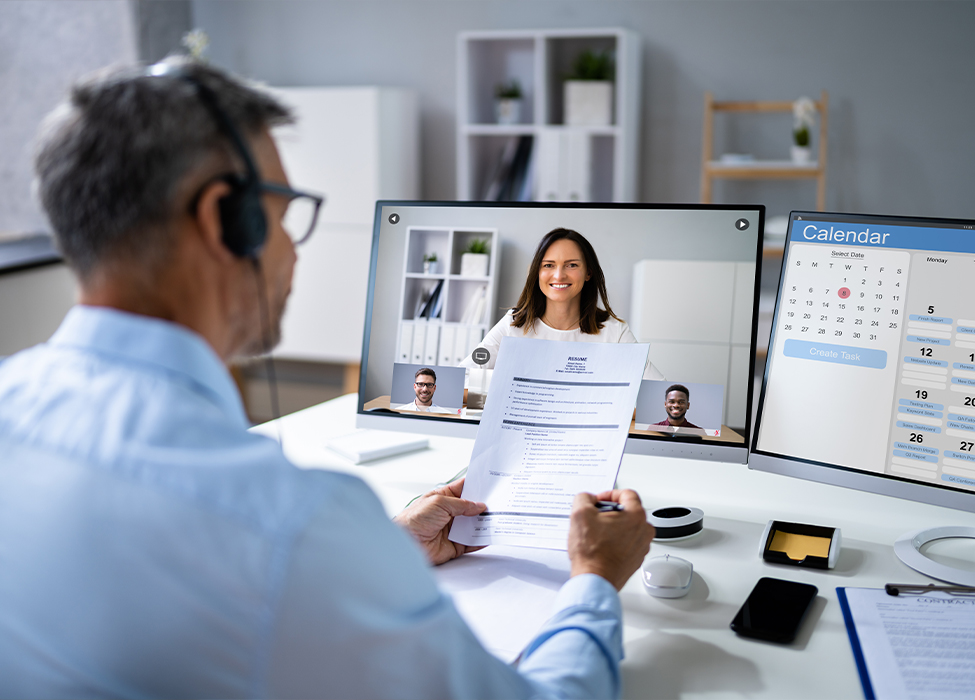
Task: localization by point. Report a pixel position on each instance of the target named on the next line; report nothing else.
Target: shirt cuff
(588, 603)
(590, 590)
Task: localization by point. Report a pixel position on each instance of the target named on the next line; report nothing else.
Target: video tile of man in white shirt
(425, 386)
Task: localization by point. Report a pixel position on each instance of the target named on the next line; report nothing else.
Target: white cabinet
(354, 145)
(568, 163)
(444, 313)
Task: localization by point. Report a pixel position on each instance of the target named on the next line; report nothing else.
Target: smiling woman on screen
(561, 300)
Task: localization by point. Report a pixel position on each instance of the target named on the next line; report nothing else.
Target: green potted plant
(803, 120)
(588, 90)
(507, 102)
(430, 263)
(475, 258)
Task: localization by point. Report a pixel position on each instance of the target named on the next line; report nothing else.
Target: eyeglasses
(302, 213)
(299, 218)
(425, 385)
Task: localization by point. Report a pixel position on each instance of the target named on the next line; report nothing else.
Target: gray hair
(110, 159)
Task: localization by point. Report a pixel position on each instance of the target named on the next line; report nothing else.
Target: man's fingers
(454, 488)
(630, 499)
(459, 506)
(582, 500)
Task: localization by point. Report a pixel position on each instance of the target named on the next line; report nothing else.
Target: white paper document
(555, 424)
(505, 594)
(912, 646)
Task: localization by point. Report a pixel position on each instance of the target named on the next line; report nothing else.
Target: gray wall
(898, 74)
(45, 46)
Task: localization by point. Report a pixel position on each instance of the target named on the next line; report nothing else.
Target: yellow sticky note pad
(798, 547)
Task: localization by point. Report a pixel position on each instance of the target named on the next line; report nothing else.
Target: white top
(432, 408)
(613, 331)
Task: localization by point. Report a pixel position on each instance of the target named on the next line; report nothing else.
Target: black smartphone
(774, 610)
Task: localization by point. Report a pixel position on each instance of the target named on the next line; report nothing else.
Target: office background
(898, 75)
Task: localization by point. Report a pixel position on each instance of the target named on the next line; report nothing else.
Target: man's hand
(611, 544)
(429, 517)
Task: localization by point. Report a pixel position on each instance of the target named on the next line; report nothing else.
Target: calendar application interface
(872, 364)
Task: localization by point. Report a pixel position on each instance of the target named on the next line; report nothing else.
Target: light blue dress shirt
(151, 547)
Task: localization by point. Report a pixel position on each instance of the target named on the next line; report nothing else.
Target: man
(150, 545)
(677, 401)
(425, 386)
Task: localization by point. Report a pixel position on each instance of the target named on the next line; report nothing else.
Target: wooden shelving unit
(761, 169)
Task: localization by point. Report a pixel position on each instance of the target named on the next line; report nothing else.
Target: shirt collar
(152, 342)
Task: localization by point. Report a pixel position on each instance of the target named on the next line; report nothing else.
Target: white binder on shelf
(430, 347)
(419, 343)
(577, 166)
(461, 348)
(473, 338)
(405, 343)
(564, 165)
(447, 340)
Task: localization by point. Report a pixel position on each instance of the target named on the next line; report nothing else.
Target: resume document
(555, 424)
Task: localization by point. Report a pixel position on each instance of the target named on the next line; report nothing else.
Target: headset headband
(210, 101)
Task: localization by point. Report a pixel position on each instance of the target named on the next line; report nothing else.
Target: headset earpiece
(241, 212)
(242, 218)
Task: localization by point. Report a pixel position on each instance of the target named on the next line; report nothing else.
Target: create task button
(839, 354)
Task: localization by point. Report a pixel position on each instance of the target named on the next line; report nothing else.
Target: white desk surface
(679, 647)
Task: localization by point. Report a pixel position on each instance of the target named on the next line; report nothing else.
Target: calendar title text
(835, 235)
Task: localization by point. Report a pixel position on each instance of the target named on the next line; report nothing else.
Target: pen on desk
(898, 588)
(608, 506)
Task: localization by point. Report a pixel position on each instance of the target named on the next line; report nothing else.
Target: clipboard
(878, 624)
(851, 631)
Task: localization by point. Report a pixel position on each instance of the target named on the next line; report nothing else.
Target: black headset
(241, 212)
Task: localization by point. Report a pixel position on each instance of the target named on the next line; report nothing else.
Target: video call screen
(683, 279)
(875, 331)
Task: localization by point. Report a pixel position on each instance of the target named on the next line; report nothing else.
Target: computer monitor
(870, 378)
(683, 277)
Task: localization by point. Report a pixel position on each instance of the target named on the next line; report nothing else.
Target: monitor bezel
(690, 447)
(838, 475)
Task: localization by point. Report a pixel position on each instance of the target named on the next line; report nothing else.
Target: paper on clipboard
(911, 646)
(555, 424)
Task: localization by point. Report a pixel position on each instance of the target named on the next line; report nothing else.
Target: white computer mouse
(667, 576)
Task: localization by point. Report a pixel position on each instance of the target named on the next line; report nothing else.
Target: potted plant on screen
(474, 260)
(588, 90)
(507, 102)
(803, 120)
(430, 263)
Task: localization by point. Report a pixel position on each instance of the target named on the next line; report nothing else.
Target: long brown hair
(531, 303)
